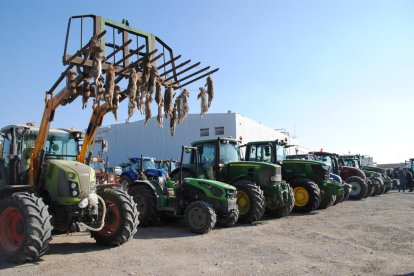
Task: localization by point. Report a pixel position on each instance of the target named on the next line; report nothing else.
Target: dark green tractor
(309, 179)
(201, 202)
(259, 185)
(386, 180)
(375, 181)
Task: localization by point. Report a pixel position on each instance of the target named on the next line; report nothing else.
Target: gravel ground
(374, 236)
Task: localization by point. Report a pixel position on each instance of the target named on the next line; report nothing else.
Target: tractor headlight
(73, 185)
(276, 178)
(93, 199)
(75, 193)
(83, 203)
(71, 175)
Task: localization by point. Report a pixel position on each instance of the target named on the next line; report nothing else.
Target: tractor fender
(155, 187)
(10, 189)
(130, 174)
(188, 168)
(241, 177)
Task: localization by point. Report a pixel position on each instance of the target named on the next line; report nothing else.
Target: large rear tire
(200, 217)
(25, 227)
(144, 197)
(250, 201)
(307, 195)
(359, 187)
(121, 218)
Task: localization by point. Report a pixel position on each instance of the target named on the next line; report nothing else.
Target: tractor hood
(67, 181)
(352, 171)
(213, 183)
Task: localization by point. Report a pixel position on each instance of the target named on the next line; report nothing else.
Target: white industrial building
(134, 139)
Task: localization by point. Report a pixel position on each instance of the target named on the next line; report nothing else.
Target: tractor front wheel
(25, 227)
(144, 197)
(200, 217)
(229, 220)
(359, 187)
(250, 201)
(125, 181)
(327, 201)
(307, 195)
(121, 218)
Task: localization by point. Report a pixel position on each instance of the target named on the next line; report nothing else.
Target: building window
(204, 132)
(219, 130)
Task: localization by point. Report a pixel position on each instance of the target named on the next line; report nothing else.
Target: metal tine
(156, 58)
(135, 63)
(84, 48)
(119, 49)
(196, 79)
(178, 66)
(192, 75)
(185, 70)
(131, 53)
(168, 62)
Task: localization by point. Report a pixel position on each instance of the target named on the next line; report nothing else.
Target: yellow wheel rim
(301, 196)
(243, 202)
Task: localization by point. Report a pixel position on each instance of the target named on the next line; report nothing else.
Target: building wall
(134, 139)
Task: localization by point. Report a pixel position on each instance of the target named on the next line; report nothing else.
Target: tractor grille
(63, 184)
(266, 173)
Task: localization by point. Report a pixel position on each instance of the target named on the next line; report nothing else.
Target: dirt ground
(369, 237)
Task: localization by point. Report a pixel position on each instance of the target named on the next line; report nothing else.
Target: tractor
(259, 185)
(309, 179)
(332, 176)
(353, 176)
(45, 180)
(201, 202)
(374, 179)
(59, 194)
(141, 169)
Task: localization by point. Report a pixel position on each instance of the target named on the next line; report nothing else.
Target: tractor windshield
(148, 164)
(59, 145)
(325, 159)
(229, 153)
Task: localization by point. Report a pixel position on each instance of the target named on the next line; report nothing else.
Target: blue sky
(338, 74)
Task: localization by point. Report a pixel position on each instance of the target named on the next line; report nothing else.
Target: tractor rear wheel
(387, 189)
(229, 220)
(359, 187)
(25, 227)
(327, 201)
(371, 188)
(144, 197)
(121, 219)
(307, 195)
(200, 217)
(250, 201)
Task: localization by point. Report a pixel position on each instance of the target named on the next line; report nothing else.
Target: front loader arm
(52, 102)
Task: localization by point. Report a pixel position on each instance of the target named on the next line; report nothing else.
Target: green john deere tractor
(202, 202)
(259, 185)
(386, 180)
(309, 179)
(64, 196)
